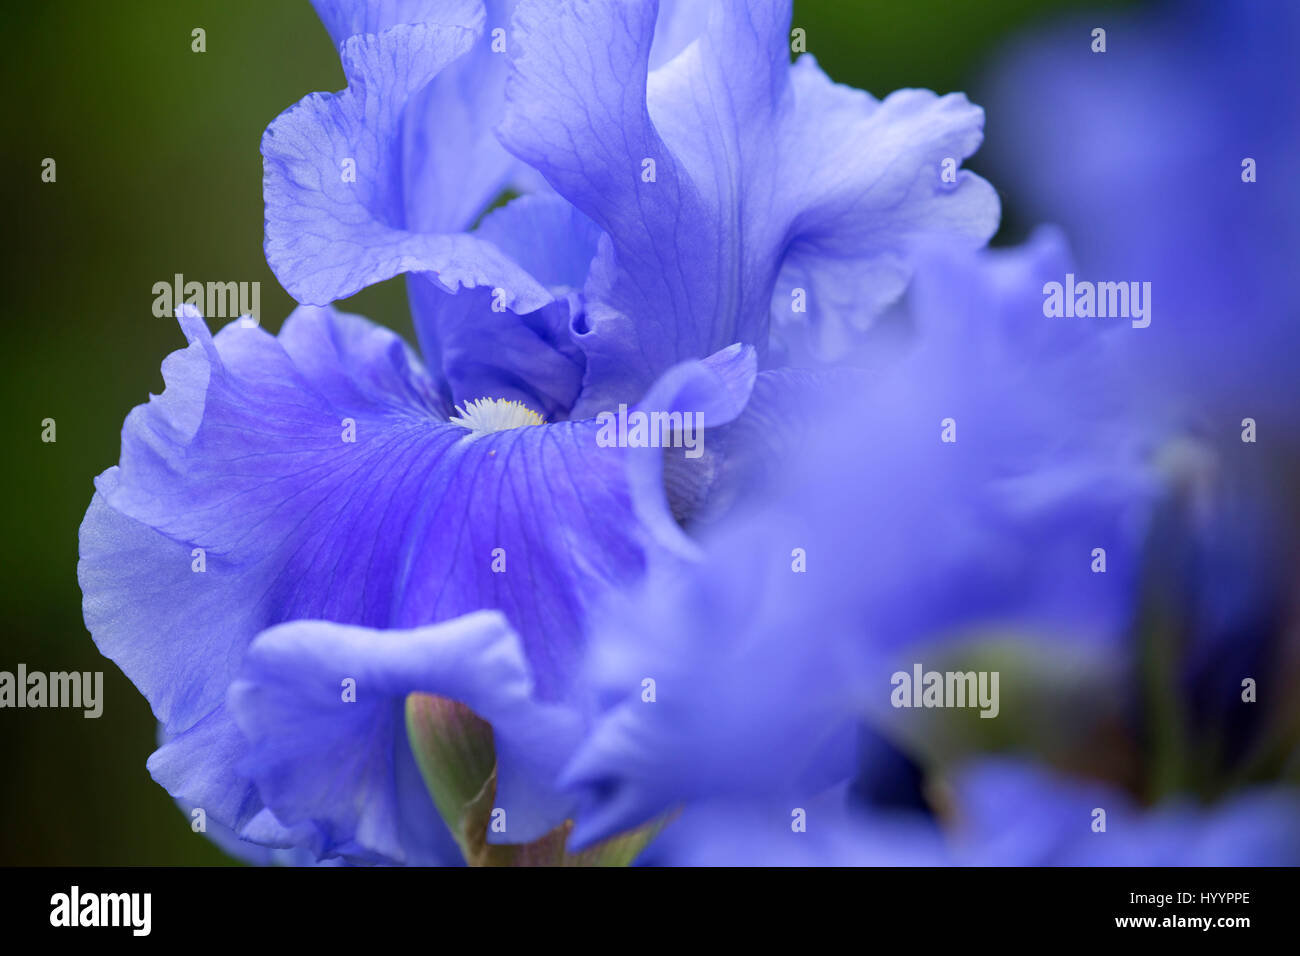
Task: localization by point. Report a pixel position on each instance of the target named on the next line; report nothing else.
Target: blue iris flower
(321, 513)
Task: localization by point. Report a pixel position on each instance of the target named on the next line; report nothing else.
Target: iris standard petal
(336, 204)
(699, 211)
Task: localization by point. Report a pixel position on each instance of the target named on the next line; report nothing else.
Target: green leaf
(1057, 705)
(454, 750)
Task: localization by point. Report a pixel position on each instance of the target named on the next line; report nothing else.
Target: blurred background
(158, 173)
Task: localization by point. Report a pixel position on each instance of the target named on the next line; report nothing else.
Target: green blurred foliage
(158, 173)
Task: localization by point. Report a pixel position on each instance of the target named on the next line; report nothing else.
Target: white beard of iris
(485, 415)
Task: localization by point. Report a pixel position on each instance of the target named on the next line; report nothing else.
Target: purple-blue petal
(699, 208)
(345, 766)
(337, 215)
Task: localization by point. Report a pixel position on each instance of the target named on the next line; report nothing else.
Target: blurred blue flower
(1176, 146)
(1152, 137)
(1010, 813)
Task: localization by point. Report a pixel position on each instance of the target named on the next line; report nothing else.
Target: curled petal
(341, 761)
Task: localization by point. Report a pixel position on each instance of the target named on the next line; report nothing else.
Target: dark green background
(159, 173)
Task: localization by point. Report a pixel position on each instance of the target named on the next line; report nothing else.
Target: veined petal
(337, 216)
(141, 594)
